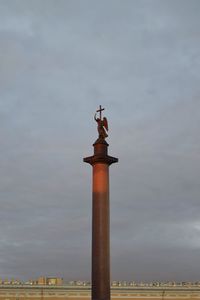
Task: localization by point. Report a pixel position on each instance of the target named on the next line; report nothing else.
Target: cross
(100, 110)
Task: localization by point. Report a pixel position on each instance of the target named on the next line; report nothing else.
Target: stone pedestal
(100, 162)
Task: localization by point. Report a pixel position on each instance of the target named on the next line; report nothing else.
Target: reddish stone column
(100, 162)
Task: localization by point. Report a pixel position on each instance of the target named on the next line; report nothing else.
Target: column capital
(99, 159)
(100, 154)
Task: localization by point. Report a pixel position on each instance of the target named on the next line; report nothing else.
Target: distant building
(15, 281)
(6, 281)
(49, 281)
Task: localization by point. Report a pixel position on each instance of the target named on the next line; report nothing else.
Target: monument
(100, 162)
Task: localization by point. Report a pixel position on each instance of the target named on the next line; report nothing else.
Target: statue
(102, 125)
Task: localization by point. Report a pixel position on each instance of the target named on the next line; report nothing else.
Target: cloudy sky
(60, 59)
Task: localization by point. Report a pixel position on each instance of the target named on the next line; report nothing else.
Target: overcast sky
(60, 59)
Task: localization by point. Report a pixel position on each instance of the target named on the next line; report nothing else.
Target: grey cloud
(58, 61)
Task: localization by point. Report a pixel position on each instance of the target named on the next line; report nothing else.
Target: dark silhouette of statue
(102, 125)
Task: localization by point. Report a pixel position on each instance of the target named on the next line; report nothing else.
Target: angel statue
(102, 125)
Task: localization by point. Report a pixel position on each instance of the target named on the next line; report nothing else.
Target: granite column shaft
(100, 162)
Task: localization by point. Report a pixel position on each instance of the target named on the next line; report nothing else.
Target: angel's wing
(105, 123)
